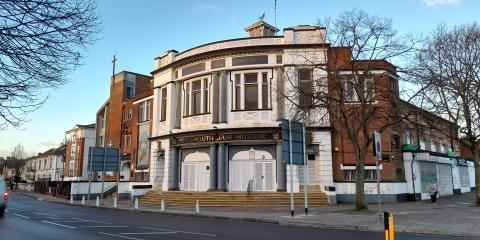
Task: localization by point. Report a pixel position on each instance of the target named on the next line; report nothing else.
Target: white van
(4, 198)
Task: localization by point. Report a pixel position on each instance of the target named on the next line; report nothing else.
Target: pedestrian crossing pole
(389, 226)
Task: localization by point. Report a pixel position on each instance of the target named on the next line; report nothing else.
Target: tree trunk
(360, 203)
(476, 158)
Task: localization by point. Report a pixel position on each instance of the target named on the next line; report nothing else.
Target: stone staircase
(234, 199)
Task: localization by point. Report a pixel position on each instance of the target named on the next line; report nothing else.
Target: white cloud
(434, 3)
(205, 7)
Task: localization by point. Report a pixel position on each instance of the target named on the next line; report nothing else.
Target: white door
(252, 166)
(195, 172)
(445, 180)
(264, 176)
(241, 172)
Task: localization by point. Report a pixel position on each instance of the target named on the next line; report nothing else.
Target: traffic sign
(96, 158)
(298, 143)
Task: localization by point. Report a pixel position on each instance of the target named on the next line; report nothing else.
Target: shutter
(445, 184)
(259, 177)
(269, 176)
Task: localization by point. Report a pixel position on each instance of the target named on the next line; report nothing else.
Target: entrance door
(254, 167)
(264, 176)
(195, 172)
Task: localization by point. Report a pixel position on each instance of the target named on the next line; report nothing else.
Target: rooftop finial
(262, 17)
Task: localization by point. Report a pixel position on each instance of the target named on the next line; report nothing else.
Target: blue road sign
(96, 159)
(297, 143)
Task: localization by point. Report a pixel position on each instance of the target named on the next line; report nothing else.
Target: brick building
(79, 139)
(129, 98)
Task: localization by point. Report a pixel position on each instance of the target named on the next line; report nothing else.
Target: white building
(217, 112)
(47, 166)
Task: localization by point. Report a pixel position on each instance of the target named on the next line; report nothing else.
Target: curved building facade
(218, 108)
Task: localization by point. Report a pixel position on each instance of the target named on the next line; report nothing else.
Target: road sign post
(305, 169)
(293, 152)
(378, 155)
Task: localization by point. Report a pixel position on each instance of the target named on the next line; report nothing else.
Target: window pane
(237, 97)
(304, 74)
(251, 96)
(196, 101)
(265, 102)
(205, 96)
(163, 116)
(197, 85)
(187, 99)
(250, 78)
(306, 98)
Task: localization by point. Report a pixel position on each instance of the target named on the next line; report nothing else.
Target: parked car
(4, 198)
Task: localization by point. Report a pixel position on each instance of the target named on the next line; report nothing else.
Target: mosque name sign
(227, 137)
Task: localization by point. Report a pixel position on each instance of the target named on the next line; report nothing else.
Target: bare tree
(41, 42)
(360, 87)
(448, 68)
(17, 158)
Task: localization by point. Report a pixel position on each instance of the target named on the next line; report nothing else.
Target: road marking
(120, 236)
(171, 230)
(92, 221)
(103, 226)
(6, 210)
(67, 221)
(147, 233)
(18, 215)
(46, 214)
(57, 224)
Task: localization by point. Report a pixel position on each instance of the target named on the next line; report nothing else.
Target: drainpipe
(413, 178)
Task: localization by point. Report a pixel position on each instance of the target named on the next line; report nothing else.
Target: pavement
(452, 216)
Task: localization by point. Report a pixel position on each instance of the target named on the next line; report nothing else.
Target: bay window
(196, 97)
(251, 91)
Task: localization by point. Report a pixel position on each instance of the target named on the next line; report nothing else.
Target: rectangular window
(187, 99)
(251, 91)
(141, 112)
(305, 88)
(265, 92)
(433, 146)
(163, 114)
(129, 114)
(196, 97)
(350, 174)
(421, 143)
(205, 95)
(350, 88)
(238, 86)
(148, 104)
(395, 142)
(408, 138)
(442, 149)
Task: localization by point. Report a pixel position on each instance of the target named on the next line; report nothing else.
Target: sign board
(96, 158)
(297, 143)
(378, 145)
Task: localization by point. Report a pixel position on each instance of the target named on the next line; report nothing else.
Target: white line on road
(147, 233)
(171, 230)
(68, 221)
(92, 221)
(119, 236)
(46, 214)
(103, 226)
(56, 224)
(18, 215)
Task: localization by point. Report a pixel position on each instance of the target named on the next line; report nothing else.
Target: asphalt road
(29, 218)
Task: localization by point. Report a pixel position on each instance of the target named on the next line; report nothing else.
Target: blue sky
(138, 31)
